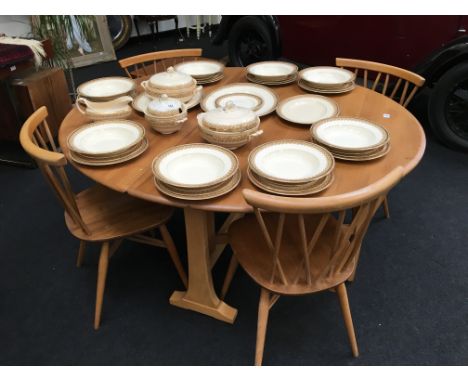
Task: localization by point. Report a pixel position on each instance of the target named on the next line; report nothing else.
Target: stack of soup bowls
(291, 167)
(196, 171)
(230, 127)
(166, 115)
(204, 71)
(106, 98)
(272, 73)
(172, 83)
(351, 139)
(326, 80)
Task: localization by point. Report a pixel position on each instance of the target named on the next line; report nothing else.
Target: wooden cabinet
(47, 87)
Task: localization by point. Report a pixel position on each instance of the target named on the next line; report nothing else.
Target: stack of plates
(196, 171)
(326, 80)
(204, 71)
(307, 109)
(272, 73)
(351, 138)
(291, 167)
(107, 142)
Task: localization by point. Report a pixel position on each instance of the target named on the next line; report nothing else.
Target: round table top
(136, 178)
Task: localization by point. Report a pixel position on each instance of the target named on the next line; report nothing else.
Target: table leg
(200, 295)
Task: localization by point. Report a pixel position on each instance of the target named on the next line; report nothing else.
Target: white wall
(20, 26)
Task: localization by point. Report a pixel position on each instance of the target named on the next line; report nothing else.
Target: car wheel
(120, 28)
(448, 107)
(250, 41)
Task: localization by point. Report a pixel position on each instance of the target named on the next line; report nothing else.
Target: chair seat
(251, 250)
(110, 215)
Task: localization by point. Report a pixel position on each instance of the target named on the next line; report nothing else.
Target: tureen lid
(163, 104)
(170, 78)
(229, 115)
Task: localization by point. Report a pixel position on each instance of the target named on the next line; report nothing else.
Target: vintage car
(435, 47)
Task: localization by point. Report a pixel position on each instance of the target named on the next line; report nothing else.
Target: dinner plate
(210, 80)
(271, 70)
(267, 95)
(307, 109)
(344, 89)
(213, 193)
(108, 162)
(106, 137)
(321, 186)
(245, 100)
(106, 88)
(326, 75)
(200, 68)
(291, 161)
(195, 165)
(364, 157)
(351, 134)
(141, 101)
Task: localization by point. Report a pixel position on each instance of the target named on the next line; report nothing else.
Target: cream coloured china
(269, 70)
(106, 107)
(245, 100)
(106, 88)
(141, 101)
(268, 96)
(170, 79)
(229, 118)
(307, 109)
(283, 81)
(291, 161)
(346, 88)
(326, 75)
(195, 165)
(200, 69)
(165, 106)
(106, 137)
(210, 80)
(349, 134)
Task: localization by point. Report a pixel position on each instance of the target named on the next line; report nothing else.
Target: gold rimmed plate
(106, 88)
(307, 109)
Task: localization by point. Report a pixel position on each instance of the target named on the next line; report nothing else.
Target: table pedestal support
(200, 295)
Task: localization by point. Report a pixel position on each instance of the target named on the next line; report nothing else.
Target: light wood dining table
(204, 244)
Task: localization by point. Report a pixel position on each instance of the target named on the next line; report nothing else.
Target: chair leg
(101, 282)
(233, 264)
(81, 253)
(171, 248)
(263, 310)
(344, 303)
(386, 208)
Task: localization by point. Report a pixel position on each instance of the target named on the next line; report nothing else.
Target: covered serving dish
(166, 115)
(174, 84)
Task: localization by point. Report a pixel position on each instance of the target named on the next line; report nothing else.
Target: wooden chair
(396, 83)
(296, 246)
(96, 214)
(154, 62)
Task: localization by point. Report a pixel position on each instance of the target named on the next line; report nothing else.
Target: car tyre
(250, 41)
(448, 107)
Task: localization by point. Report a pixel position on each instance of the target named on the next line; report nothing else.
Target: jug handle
(81, 101)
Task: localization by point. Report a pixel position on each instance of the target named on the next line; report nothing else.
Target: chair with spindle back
(387, 80)
(297, 246)
(154, 62)
(97, 214)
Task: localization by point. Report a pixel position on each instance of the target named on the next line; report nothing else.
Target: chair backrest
(154, 62)
(378, 77)
(346, 238)
(38, 142)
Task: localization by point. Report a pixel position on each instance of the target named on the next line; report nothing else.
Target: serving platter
(291, 191)
(246, 100)
(106, 137)
(195, 165)
(106, 88)
(267, 95)
(214, 192)
(200, 69)
(291, 161)
(322, 76)
(108, 162)
(350, 134)
(307, 109)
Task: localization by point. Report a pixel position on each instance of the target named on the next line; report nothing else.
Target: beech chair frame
(38, 142)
